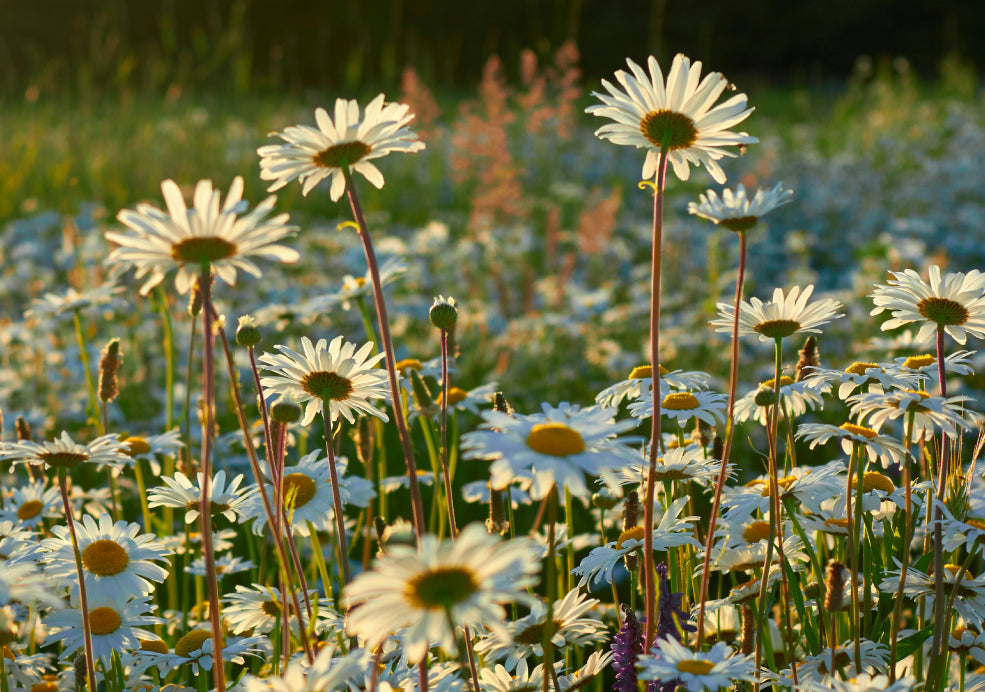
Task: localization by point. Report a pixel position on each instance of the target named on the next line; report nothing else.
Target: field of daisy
(652, 383)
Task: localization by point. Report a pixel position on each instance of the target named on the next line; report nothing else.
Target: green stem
(92, 411)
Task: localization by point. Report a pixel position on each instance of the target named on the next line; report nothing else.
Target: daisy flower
(783, 316)
(462, 581)
(930, 413)
(678, 464)
(796, 398)
(734, 210)
(116, 557)
(115, 626)
(185, 239)
(925, 365)
(679, 115)
(969, 531)
(196, 646)
(149, 447)
(815, 668)
(468, 400)
(878, 447)
(640, 383)
(808, 486)
(523, 638)
(579, 679)
(969, 601)
(21, 582)
(181, 493)
(873, 376)
(257, 608)
(64, 452)
(954, 302)
(225, 565)
(558, 447)
(865, 683)
(715, 669)
(683, 406)
(327, 672)
(348, 141)
(31, 503)
(54, 304)
(965, 641)
(335, 373)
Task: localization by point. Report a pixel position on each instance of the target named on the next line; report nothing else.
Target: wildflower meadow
(621, 385)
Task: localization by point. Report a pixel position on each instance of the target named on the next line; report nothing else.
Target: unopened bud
(444, 313)
(765, 396)
(604, 499)
(247, 332)
(284, 411)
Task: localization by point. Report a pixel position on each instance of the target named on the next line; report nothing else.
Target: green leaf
(907, 646)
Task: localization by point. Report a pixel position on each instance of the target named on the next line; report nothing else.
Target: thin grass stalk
(92, 410)
(384, 323)
(727, 447)
(905, 551)
(650, 574)
(939, 647)
(853, 556)
(336, 495)
(83, 600)
(550, 579)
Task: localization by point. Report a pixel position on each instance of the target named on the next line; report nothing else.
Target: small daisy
(354, 287)
(860, 374)
(965, 641)
(462, 581)
(469, 400)
(312, 154)
(558, 446)
(524, 637)
(185, 239)
(31, 503)
(497, 678)
(815, 668)
(796, 399)
(149, 447)
(783, 316)
(17, 542)
(640, 383)
(336, 373)
(678, 464)
(181, 493)
(969, 531)
(958, 363)
(954, 302)
(224, 566)
(21, 582)
(969, 601)
(679, 115)
(865, 683)
(328, 671)
(930, 413)
(734, 210)
(258, 609)
(579, 679)
(808, 486)
(115, 626)
(683, 406)
(63, 452)
(878, 447)
(392, 483)
(53, 304)
(116, 557)
(715, 669)
(196, 646)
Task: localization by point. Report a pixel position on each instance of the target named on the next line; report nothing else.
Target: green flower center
(943, 311)
(327, 385)
(202, 250)
(680, 401)
(104, 620)
(341, 155)
(669, 128)
(555, 439)
(695, 666)
(298, 490)
(105, 558)
(739, 224)
(777, 329)
(64, 460)
(441, 589)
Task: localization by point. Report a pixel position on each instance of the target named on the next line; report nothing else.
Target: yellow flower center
(191, 642)
(202, 250)
(105, 558)
(104, 620)
(635, 533)
(29, 510)
(65, 460)
(341, 155)
(781, 483)
(695, 666)
(955, 569)
(327, 385)
(976, 523)
(406, 364)
(913, 405)
(47, 686)
(456, 395)
(873, 480)
(441, 588)
(859, 368)
(839, 523)
(860, 430)
(670, 129)
(917, 362)
(777, 329)
(7, 653)
(943, 311)
(756, 531)
(136, 446)
(155, 645)
(298, 490)
(641, 372)
(680, 401)
(555, 439)
(271, 608)
(771, 383)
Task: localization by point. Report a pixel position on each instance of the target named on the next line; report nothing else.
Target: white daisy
(958, 363)
(698, 671)
(815, 668)
(678, 464)
(258, 609)
(224, 566)
(312, 154)
(116, 557)
(679, 115)
(149, 447)
(22, 582)
(806, 485)
(796, 399)
(683, 406)
(54, 304)
(969, 601)
(196, 648)
(336, 373)
(63, 452)
(930, 413)
(878, 447)
(31, 503)
(558, 447)
(462, 581)
(115, 626)
(954, 302)
(734, 210)
(860, 374)
(329, 671)
(180, 492)
(783, 316)
(640, 384)
(185, 239)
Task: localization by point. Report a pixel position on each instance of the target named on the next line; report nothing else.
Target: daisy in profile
(878, 447)
(925, 365)
(873, 376)
(678, 115)
(258, 608)
(30, 504)
(954, 302)
(930, 413)
(335, 374)
(329, 671)
(350, 140)
(22, 582)
(185, 239)
(715, 669)
(179, 492)
(796, 398)
(783, 316)
(969, 601)
(116, 557)
(426, 592)
(115, 626)
(64, 452)
(150, 447)
(640, 382)
(53, 304)
(734, 210)
(689, 463)
(557, 447)
(683, 406)
(196, 646)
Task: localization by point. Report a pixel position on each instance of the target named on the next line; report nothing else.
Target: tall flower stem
(93, 408)
(905, 552)
(205, 504)
(550, 579)
(852, 549)
(733, 381)
(938, 650)
(83, 600)
(650, 584)
(336, 494)
(381, 316)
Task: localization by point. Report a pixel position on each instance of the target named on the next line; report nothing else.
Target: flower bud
(284, 411)
(443, 313)
(247, 332)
